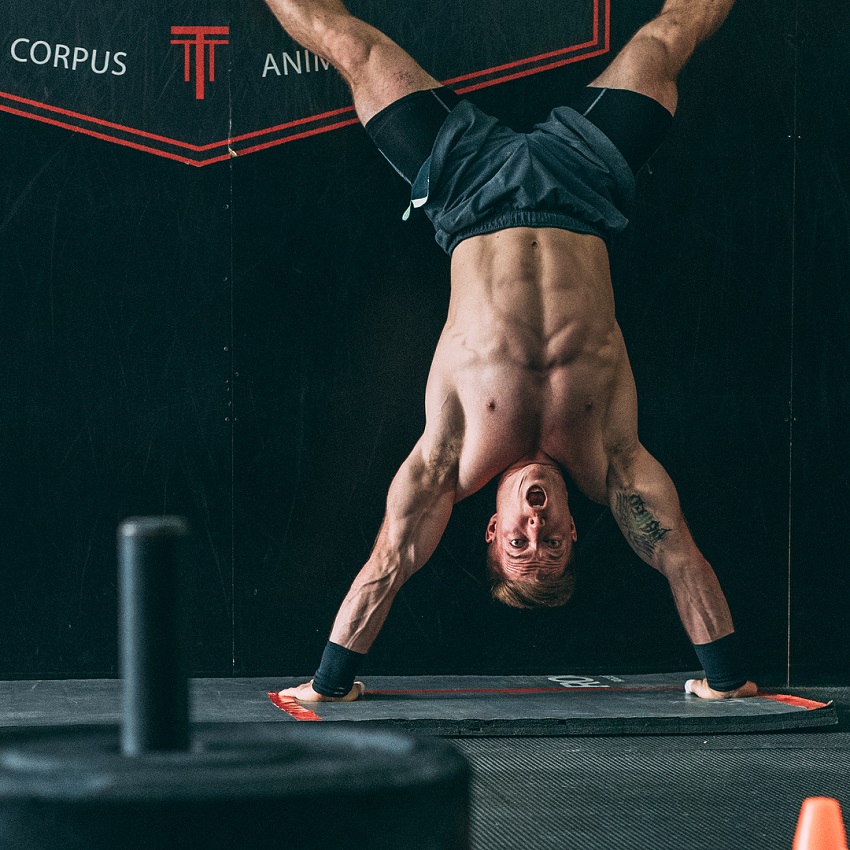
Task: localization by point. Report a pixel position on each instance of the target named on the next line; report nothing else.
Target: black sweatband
(721, 661)
(335, 676)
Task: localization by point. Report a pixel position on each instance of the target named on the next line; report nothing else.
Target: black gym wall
(246, 342)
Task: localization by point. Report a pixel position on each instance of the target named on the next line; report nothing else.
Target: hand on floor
(305, 693)
(700, 688)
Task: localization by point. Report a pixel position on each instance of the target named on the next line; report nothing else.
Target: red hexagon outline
(302, 127)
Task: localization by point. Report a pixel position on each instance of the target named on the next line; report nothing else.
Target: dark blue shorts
(474, 175)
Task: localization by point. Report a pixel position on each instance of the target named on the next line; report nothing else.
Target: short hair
(545, 592)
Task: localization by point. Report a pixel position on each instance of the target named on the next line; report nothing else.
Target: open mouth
(535, 496)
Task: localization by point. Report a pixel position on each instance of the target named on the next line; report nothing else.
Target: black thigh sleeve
(405, 130)
(635, 123)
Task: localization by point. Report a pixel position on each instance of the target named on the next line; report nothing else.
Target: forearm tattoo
(639, 525)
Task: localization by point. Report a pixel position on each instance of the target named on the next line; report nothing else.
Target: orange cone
(820, 826)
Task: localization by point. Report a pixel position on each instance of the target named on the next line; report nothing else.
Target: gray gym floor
(685, 792)
(689, 792)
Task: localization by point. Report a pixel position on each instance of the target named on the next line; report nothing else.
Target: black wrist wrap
(722, 663)
(335, 675)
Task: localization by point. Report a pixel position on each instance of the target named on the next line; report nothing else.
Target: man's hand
(305, 693)
(700, 688)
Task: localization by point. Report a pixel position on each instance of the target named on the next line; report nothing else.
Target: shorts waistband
(520, 218)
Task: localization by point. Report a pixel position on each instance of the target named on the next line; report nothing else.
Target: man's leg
(633, 100)
(378, 71)
(651, 61)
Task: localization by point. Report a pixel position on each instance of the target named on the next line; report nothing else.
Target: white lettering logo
(295, 64)
(69, 58)
(578, 681)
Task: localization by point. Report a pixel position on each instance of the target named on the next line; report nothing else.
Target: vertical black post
(154, 690)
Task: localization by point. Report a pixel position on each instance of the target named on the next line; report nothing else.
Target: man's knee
(671, 40)
(650, 63)
(348, 44)
(376, 69)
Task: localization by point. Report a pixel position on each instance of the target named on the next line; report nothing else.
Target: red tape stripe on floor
(799, 702)
(292, 707)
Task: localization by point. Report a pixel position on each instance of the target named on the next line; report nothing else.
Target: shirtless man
(530, 380)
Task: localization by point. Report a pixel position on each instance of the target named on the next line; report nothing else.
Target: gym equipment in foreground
(152, 784)
(820, 826)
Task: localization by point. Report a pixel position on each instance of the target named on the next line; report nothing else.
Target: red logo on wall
(123, 81)
(200, 43)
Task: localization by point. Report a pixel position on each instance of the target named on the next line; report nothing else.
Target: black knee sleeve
(635, 123)
(405, 131)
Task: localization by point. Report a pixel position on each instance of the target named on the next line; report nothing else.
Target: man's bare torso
(531, 359)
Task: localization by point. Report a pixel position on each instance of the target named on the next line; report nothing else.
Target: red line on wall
(166, 154)
(519, 62)
(155, 137)
(74, 129)
(539, 58)
(288, 124)
(101, 122)
(463, 90)
(221, 158)
(528, 71)
(295, 137)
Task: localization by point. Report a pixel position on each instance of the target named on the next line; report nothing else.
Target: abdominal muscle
(531, 351)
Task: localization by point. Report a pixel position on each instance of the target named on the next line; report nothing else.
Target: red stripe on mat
(292, 707)
(601, 688)
(808, 704)
(787, 699)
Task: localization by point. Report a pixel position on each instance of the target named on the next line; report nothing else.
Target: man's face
(532, 527)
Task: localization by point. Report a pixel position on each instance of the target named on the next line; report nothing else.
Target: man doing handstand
(530, 380)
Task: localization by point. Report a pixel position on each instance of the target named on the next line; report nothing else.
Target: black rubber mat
(444, 705)
(558, 705)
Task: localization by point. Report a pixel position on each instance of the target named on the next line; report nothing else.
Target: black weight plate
(71, 787)
(244, 760)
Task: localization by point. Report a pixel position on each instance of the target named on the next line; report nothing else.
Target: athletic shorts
(473, 175)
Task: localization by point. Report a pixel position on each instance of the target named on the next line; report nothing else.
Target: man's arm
(419, 505)
(646, 506)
